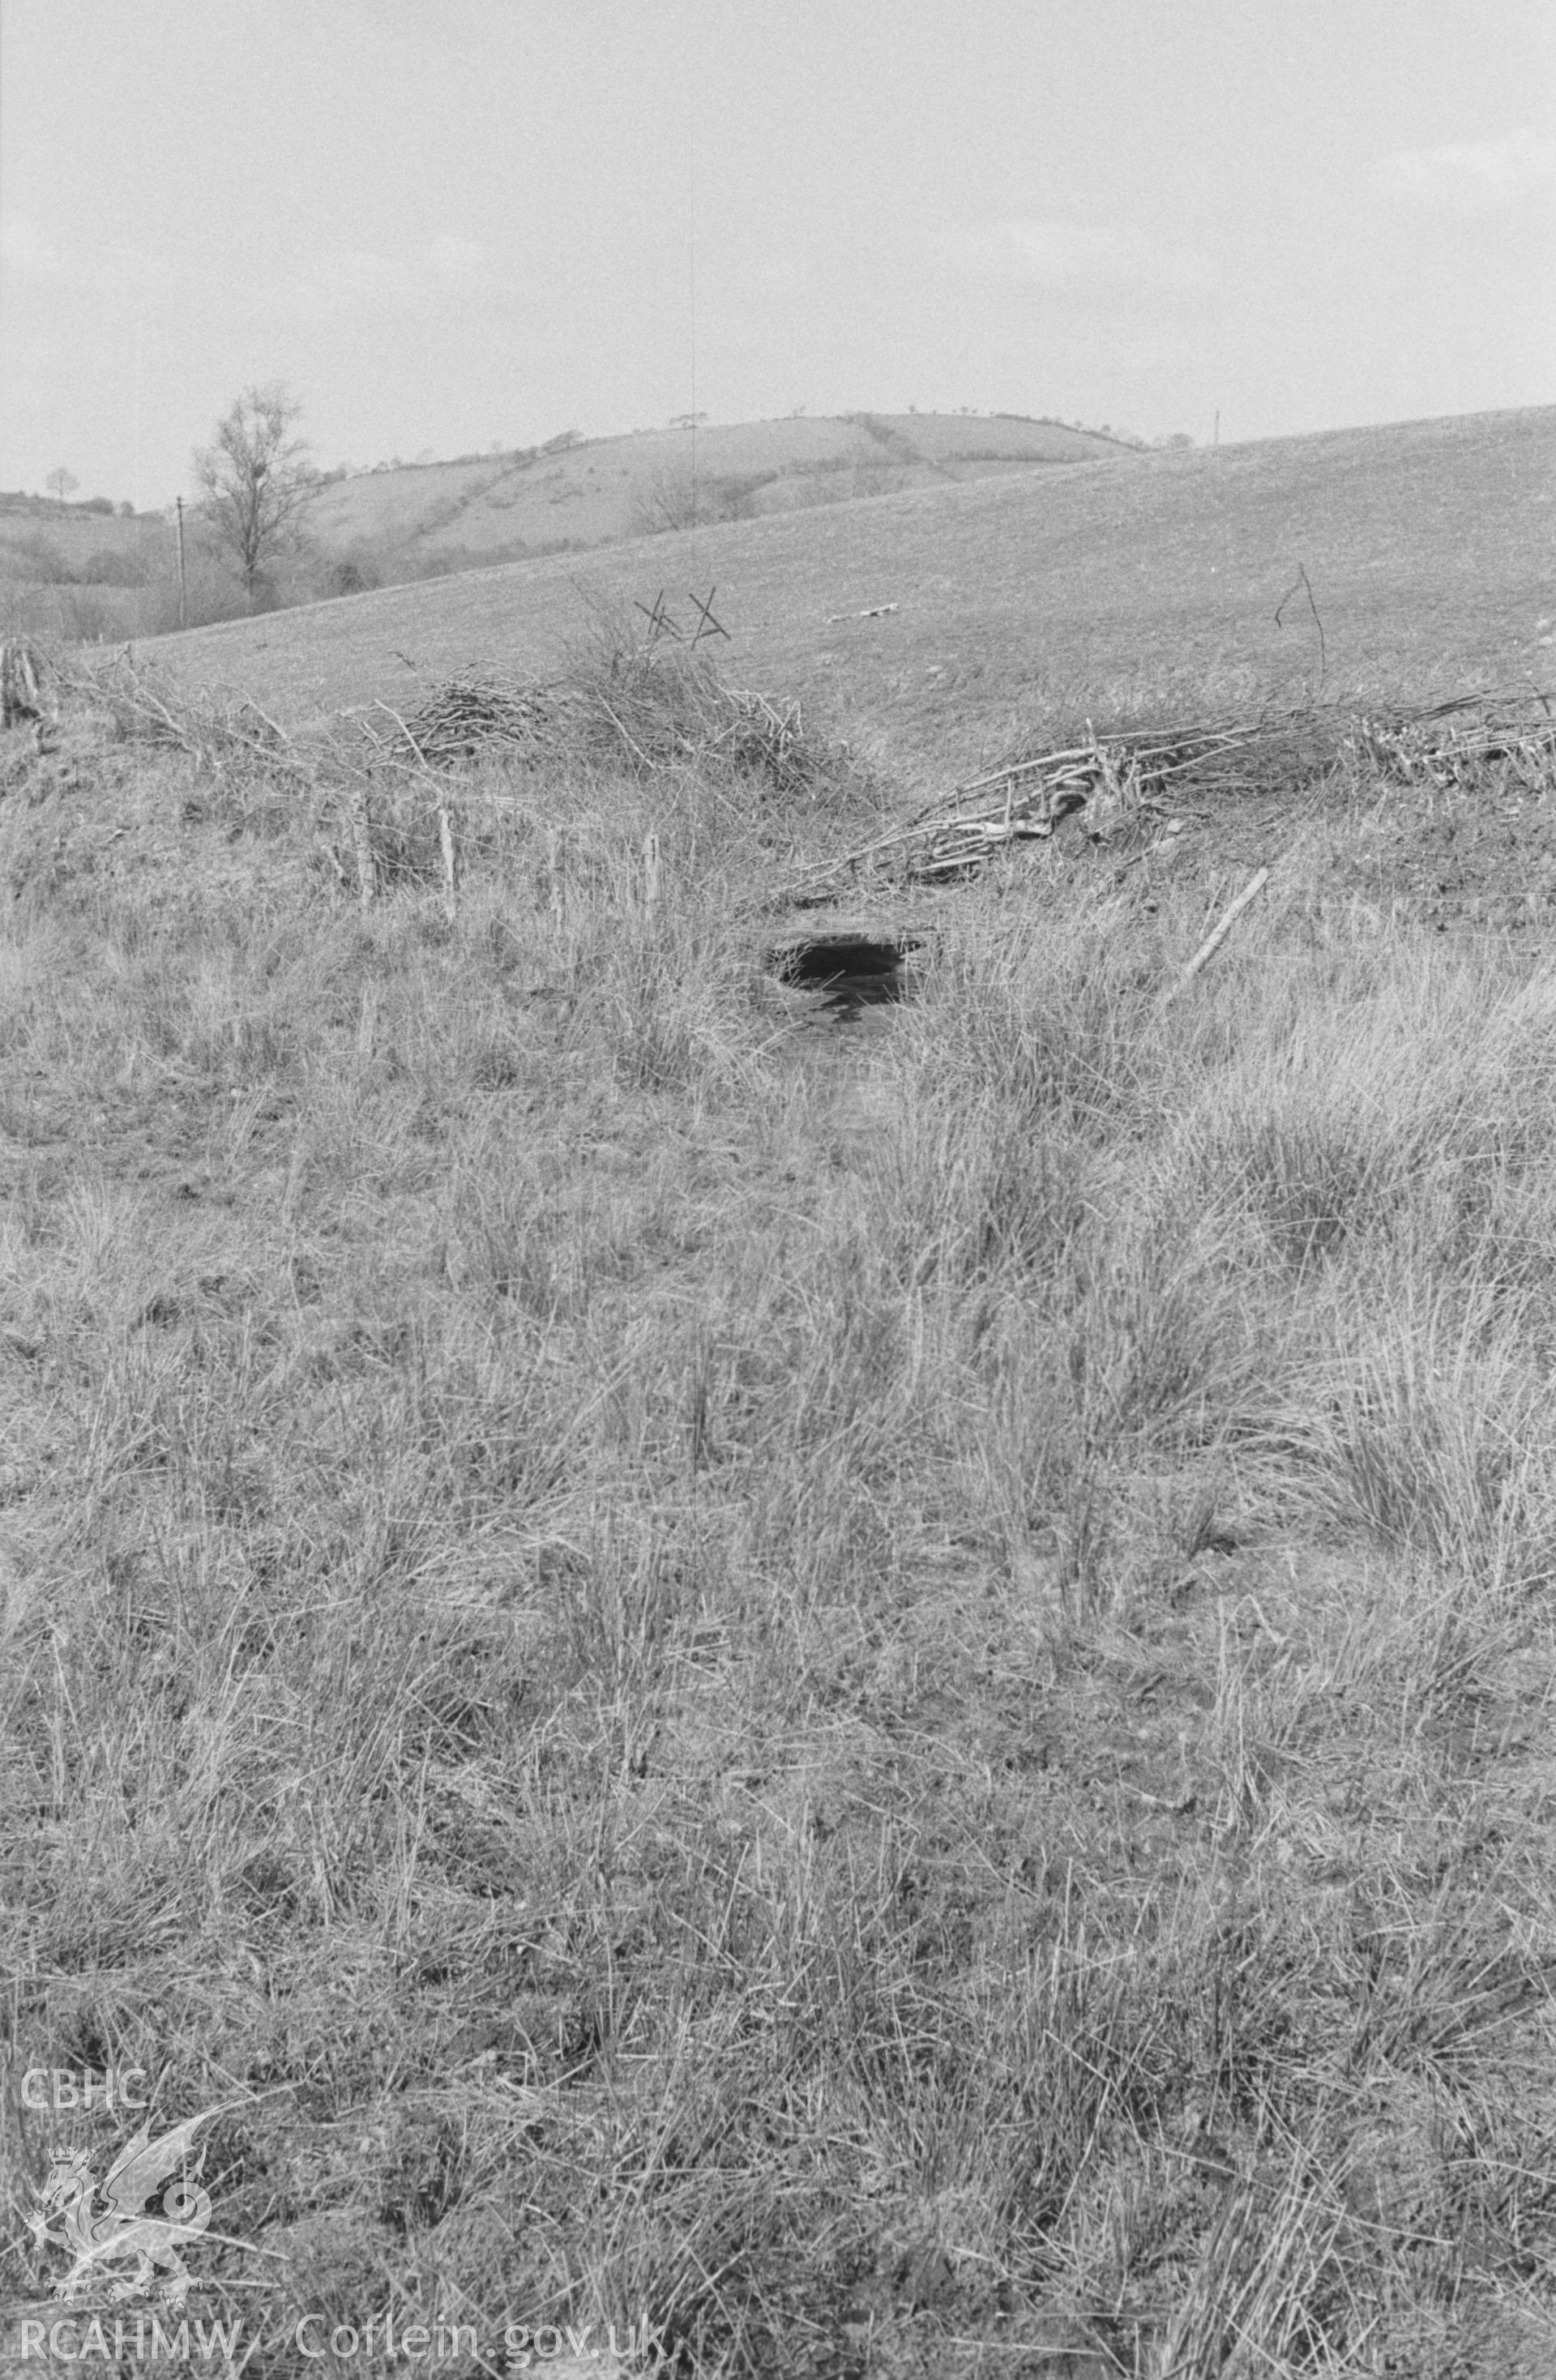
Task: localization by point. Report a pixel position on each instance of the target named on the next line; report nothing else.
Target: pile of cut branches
(204, 726)
(766, 738)
(1128, 782)
(645, 710)
(470, 714)
(1460, 742)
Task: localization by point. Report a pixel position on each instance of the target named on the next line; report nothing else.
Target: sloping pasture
(1154, 581)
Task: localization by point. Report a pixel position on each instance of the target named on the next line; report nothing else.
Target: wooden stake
(445, 837)
(361, 835)
(1218, 934)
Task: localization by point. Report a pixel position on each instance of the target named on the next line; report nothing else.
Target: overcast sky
(447, 224)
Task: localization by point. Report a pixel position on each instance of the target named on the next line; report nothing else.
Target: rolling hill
(574, 493)
(1427, 547)
(79, 569)
(88, 570)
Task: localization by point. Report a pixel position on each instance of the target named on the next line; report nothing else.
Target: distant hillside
(571, 495)
(1427, 547)
(83, 570)
(78, 569)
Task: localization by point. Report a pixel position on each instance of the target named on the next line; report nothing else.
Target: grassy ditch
(891, 1742)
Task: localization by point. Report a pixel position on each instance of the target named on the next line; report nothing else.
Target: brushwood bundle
(650, 710)
(1128, 782)
(209, 728)
(471, 714)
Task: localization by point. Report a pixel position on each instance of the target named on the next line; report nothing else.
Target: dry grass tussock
(890, 1747)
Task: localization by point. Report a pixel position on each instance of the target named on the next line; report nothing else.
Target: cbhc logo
(58, 2088)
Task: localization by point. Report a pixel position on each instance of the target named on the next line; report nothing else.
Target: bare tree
(667, 499)
(258, 483)
(671, 498)
(62, 483)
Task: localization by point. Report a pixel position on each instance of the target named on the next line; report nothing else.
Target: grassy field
(884, 1695)
(1428, 546)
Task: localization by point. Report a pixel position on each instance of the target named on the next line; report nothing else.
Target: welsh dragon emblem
(125, 2231)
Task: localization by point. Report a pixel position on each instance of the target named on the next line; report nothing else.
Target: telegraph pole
(183, 581)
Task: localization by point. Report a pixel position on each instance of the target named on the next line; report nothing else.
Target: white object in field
(1218, 934)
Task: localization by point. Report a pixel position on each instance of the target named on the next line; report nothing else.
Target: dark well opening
(852, 971)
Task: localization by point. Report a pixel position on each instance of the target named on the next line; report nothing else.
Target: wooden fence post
(445, 837)
(361, 836)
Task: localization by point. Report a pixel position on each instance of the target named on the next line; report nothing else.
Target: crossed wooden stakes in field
(662, 624)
